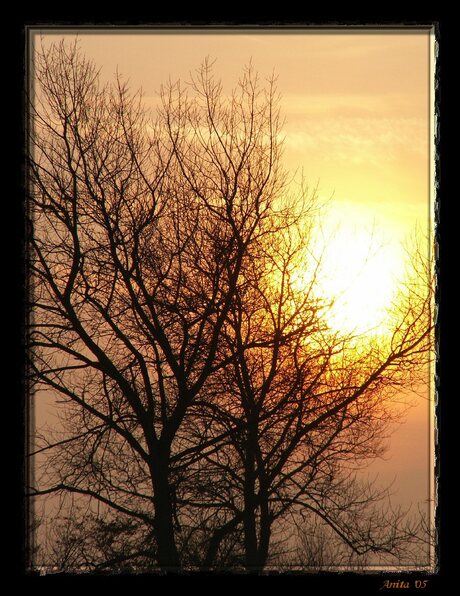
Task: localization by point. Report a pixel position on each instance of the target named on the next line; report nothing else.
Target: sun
(360, 273)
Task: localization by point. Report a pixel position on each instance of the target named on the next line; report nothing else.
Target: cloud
(358, 139)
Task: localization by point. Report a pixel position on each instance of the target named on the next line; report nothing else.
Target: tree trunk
(265, 528)
(167, 555)
(249, 520)
(217, 537)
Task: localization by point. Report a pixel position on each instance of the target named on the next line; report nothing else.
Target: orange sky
(357, 109)
(356, 104)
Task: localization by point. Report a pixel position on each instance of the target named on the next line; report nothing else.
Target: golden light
(362, 264)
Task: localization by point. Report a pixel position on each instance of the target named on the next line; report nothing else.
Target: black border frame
(338, 582)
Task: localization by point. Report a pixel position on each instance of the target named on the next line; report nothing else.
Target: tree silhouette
(203, 398)
(315, 405)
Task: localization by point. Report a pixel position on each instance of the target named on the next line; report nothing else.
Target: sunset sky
(357, 106)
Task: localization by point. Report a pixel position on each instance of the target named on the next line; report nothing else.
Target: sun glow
(360, 273)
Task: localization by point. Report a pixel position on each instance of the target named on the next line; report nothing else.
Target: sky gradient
(357, 124)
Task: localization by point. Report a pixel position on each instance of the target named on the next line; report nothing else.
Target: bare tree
(315, 404)
(139, 235)
(202, 397)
